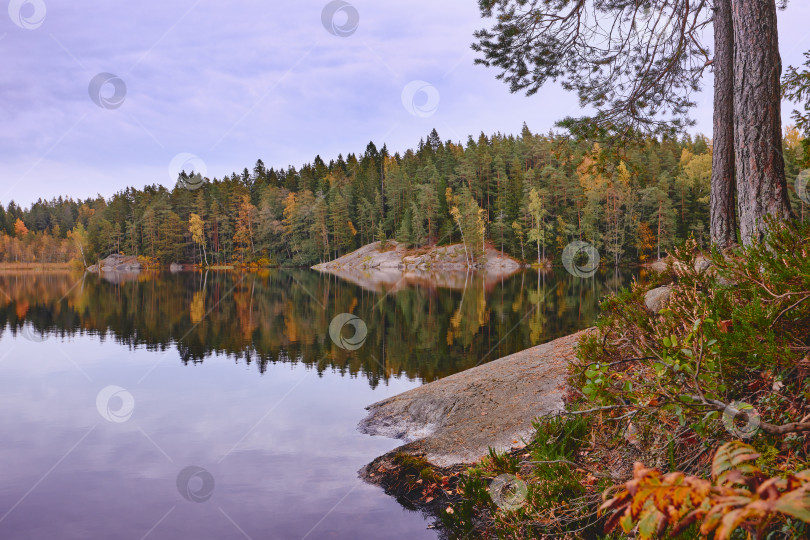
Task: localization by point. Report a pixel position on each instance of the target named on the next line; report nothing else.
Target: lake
(222, 404)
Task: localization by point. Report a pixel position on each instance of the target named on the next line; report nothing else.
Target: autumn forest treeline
(529, 195)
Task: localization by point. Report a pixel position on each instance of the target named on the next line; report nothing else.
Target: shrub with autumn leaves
(669, 389)
(739, 495)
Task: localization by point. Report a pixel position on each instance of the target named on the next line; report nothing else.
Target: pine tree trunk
(723, 222)
(761, 184)
(463, 241)
(659, 230)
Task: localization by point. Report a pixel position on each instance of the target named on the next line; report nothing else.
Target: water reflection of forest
(421, 331)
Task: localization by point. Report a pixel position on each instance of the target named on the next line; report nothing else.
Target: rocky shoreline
(116, 263)
(398, 266)
(456, 420)
(450, 424)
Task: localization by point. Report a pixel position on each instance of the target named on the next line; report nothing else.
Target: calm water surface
(217, 405)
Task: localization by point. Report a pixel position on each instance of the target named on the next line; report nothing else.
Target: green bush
(730, 347)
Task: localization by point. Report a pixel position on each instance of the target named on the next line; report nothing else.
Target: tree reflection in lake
(420, 331)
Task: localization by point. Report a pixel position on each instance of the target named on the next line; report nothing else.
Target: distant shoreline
(37, 267)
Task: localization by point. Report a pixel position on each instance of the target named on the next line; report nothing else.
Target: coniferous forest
(528, 195)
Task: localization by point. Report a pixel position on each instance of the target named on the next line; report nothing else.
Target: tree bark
(659, 229)
(761, 185)
(723, 221)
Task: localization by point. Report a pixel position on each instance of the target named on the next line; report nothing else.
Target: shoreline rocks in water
(117, 263)
(398, 266)
(398, 256)
(457, 419)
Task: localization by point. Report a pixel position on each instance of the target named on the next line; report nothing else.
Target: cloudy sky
(230, 82)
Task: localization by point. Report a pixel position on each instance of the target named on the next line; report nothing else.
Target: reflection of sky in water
(281, 443)
(282, 447)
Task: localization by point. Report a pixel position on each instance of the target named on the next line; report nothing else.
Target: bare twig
(597, 409)
(789, 308)
(611, 364)
(767, 427)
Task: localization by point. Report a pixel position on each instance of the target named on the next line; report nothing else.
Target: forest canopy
(530, 195)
